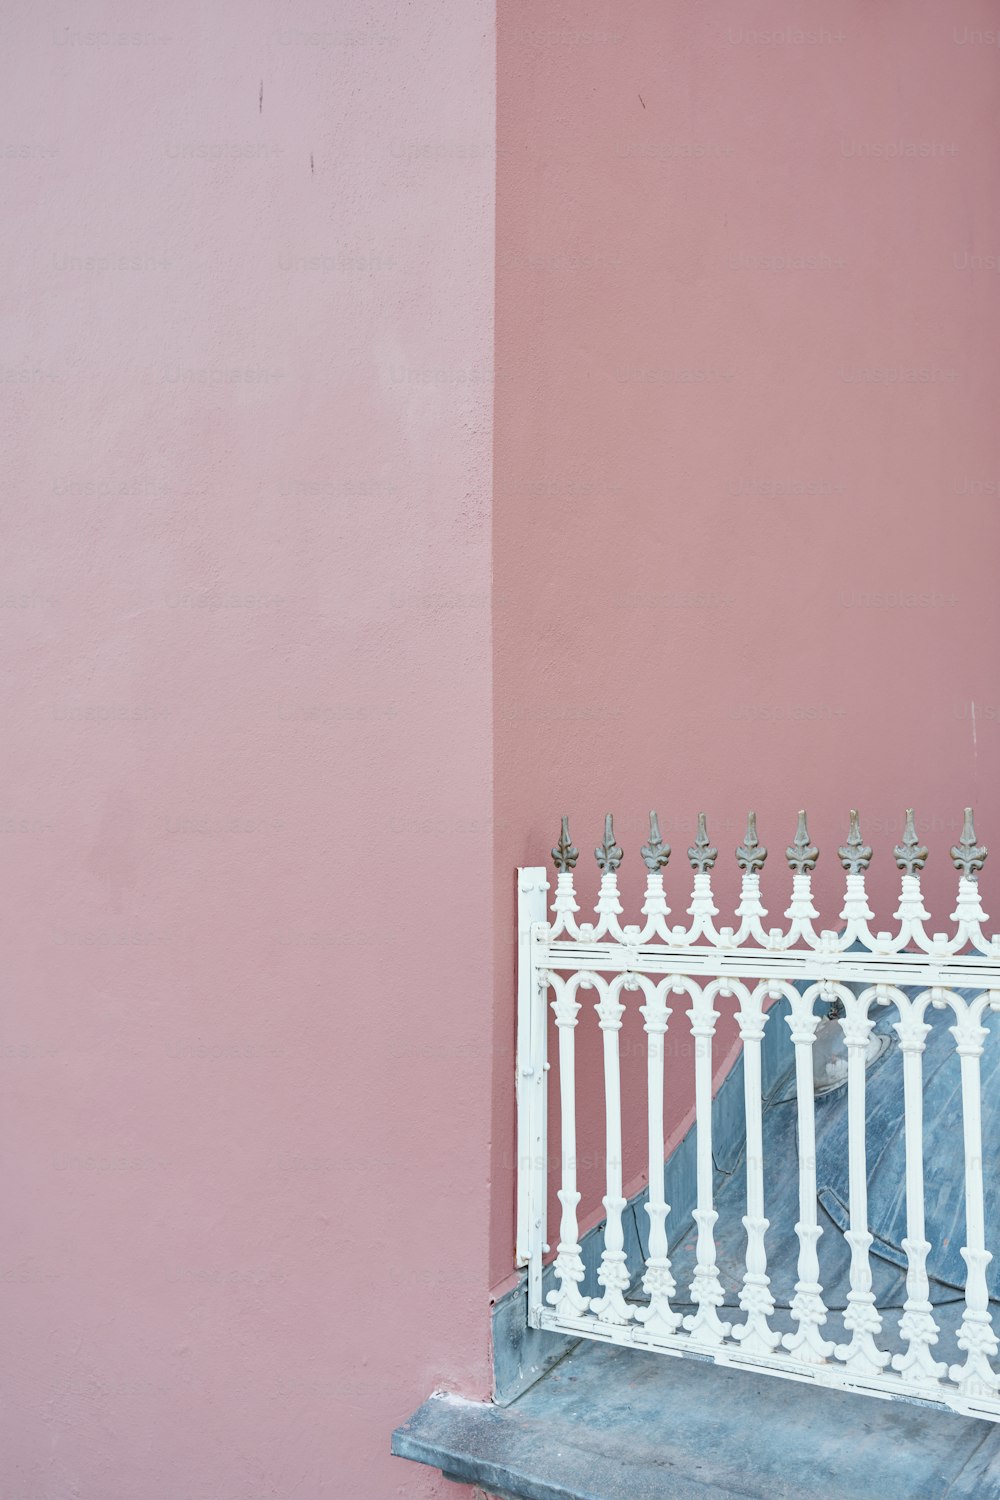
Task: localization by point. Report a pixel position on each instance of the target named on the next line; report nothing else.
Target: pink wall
(710, 494)
(247, 299)
(246, 569)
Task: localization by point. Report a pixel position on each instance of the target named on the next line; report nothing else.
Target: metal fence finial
(801, 854)
(608, 854)
(751, 854)
(855, 855)
(656, 853)
(702, 854)
(967, 856)
(565, 854)
(910, 854)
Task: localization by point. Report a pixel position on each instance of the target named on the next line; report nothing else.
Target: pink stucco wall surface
(747, 501)
(259, 743)
(247, 308)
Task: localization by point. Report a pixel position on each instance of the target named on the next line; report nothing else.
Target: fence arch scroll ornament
(690, 972)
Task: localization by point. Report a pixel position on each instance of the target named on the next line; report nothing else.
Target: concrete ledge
(621, 1424)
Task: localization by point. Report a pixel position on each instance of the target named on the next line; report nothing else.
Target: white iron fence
(753, 966)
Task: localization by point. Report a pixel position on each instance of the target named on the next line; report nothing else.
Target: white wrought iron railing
(754, 966)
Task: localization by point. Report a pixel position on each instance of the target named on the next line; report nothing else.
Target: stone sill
(620, 1424)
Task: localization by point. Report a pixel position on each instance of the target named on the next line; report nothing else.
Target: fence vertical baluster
(706, 1288)
(976, 1337)
(658, 1282)
(613, 1273)
(756, 1336)
(861, 1356)
(917, 1326)
(976, 1377)
(567, 1299)
(808, 1309)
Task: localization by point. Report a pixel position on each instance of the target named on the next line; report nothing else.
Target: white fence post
(704, 1325)
(613, 1273)
(532, 1166)
(917, 1326)
(567, 1299)
(861, 1356)
(756, 1336)
(808, 1308)
(658, 1282)
(976, 1337)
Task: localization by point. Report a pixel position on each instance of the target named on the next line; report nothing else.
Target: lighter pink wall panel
(247, 310)
(741, 560)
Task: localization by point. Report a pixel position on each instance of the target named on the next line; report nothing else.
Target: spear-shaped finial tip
(608, 854)
(565, 854)
(910, 854)
(855, 855)
(801, 854)
(751, 854)
(702, 854)
(967, 856)
(656, 853)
